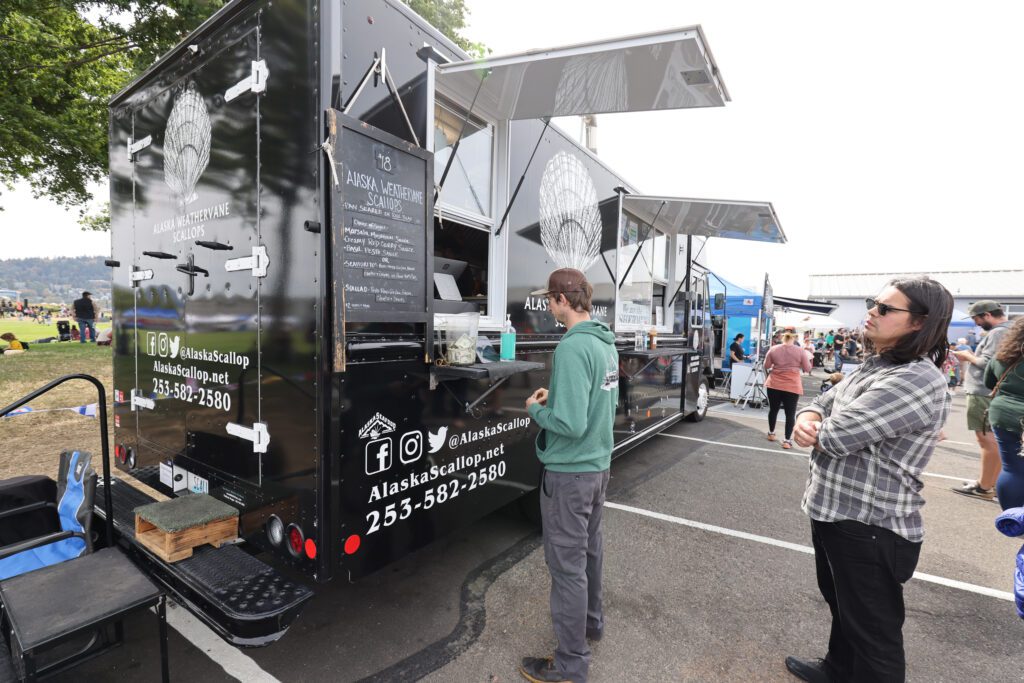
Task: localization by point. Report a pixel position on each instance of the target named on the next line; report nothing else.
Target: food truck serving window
(464, 246)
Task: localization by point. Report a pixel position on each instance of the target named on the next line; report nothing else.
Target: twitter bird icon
(437, 440)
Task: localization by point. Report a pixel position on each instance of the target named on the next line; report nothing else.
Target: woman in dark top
(1006, 413)
(736, 353)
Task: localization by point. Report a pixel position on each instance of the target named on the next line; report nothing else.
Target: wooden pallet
(172, 546)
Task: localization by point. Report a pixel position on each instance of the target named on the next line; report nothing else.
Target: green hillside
(56, 280)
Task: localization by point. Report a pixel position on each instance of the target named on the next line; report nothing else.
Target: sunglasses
(883, 309)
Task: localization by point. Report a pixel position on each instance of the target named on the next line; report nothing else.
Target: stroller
(829, 382)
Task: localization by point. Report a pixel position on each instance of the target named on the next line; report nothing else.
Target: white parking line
(235, 663)
(806, 549)
(802, 454)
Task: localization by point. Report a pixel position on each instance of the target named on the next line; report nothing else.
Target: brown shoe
(541, 670)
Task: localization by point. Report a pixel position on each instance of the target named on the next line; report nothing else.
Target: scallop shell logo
(570, 222)
(186, 144)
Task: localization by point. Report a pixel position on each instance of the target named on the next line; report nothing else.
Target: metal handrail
(108, 504)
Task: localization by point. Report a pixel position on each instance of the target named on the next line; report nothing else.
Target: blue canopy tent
(959, 326)
(741, 309)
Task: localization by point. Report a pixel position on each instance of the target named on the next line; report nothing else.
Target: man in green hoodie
(575, 446)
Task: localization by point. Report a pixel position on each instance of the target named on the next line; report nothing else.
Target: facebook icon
(378, 455)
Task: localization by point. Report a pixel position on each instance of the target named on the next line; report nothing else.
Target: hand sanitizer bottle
(508, 339)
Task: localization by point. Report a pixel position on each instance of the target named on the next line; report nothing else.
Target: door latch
(258, 434)
(257, 263)
(256, 81)
(192, 270)
(138, 145)
(138, 276)
(139, 401)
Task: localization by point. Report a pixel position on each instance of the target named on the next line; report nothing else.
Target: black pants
(787, 401)
(861, 572)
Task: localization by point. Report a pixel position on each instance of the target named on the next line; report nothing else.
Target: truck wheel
(529, 507)
(702, 403)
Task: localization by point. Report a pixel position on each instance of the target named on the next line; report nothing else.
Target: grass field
(31, 443)
(27, 330)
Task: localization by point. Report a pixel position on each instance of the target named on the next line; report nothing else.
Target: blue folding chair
(76, 487)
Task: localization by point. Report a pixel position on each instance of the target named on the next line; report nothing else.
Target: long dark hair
(1012, 347)
(933, 307)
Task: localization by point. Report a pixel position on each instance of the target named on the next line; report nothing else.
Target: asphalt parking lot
(708, 577)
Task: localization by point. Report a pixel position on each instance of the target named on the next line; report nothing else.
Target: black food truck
(306, 197)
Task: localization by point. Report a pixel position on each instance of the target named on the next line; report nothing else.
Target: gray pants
(570, 505)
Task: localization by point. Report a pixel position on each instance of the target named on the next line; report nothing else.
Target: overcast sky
(887, 134)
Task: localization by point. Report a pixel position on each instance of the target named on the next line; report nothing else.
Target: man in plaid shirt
(872, 436)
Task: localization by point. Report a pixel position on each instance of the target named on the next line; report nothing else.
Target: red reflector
(120, 453)
(295, 540)
(352, 544)
(310, 549)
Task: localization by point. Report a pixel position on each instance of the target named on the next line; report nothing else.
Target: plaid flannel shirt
(878, 431)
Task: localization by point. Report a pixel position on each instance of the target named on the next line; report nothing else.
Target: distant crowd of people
(85, 311)
(40, 313)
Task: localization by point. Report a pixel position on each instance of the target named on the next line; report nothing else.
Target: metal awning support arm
(607, 267)
(519, 185)
(471, 407)
(458, 141)
(673, 300)
(379, 69)
(639, 243)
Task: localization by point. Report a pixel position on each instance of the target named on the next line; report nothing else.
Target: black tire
(529, 507)
(703, 394)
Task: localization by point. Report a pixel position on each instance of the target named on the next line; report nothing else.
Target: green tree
(448, 17)
(64, 59)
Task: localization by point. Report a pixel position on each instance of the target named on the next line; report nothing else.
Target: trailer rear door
(198, 258)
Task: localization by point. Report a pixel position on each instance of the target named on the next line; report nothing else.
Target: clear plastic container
(460, 335)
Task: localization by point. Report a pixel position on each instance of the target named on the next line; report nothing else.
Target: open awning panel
(665, 70)
(789, 303)
(752, 221)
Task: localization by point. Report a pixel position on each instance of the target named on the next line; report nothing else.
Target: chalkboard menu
(384, 233)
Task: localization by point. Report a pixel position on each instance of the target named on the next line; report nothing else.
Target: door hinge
(258, 434)
(138, 276)
(141, 401)
(136, 145)
(257, 263)
(255, 81)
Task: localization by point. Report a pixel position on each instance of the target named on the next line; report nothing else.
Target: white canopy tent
(807, 321)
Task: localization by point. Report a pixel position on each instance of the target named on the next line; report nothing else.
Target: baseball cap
(86, 293)
(982, 307)
(563, 281)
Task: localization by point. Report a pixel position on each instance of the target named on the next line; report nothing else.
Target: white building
(967, 286)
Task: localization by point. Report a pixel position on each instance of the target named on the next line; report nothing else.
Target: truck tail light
(295, 540)
(120, 453)
(352, 544)
(311, 548)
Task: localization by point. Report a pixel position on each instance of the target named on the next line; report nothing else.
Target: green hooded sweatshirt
(576, 423)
